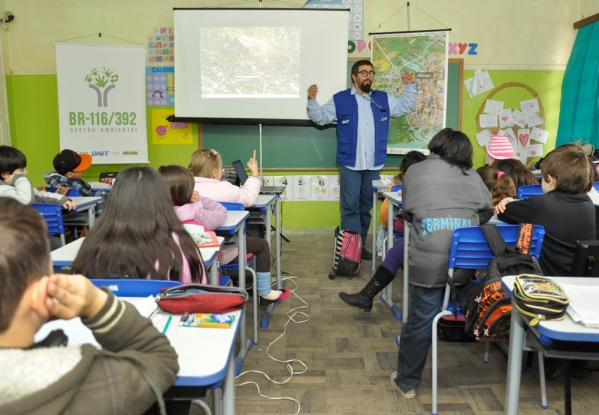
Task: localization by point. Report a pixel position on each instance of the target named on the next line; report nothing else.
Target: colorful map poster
(165, 132)
(425, 55)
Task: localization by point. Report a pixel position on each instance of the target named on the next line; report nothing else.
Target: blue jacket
(347, 126)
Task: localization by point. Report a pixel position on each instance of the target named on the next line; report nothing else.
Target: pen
(167, 323)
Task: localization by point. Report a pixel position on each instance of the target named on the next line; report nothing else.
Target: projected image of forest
(250, 62)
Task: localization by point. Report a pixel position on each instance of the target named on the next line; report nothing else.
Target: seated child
(206, 165)
(135, 366)
(412, 157)
(68, 169)
(499, 184)
(14, 182)
(565, 210)
(500, 154)
(139, 228)
(205, 211)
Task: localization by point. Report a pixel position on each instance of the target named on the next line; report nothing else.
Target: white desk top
(380, 184)
(565, 329)
(85, 202)
(393, 197)
(263, 201)
(203, 352)
(235, 219)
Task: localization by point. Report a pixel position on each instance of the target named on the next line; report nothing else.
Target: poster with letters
(101, 101)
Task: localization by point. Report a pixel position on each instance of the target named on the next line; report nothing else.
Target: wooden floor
(350, 355)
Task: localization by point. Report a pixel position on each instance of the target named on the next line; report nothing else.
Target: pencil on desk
(168, 321)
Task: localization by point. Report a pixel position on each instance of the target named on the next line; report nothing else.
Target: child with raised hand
(15, 184)
(206, 165)
(134, 367)
(499, 184)
(139, 228)
(565, 210)
(206, 211)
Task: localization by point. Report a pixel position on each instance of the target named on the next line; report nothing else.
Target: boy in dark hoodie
(135, 366)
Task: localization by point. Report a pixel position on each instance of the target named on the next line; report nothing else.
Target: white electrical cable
(288, 366)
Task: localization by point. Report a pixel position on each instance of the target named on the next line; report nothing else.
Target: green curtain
(579, 108)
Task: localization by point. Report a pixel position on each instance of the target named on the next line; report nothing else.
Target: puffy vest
(347, 126)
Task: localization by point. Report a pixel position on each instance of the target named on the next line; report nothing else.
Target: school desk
(394, 199)
(86, 204)
(64, 257)
(205, 354)
(235, 225)
(264, 204)
(376, 186)
(98, 186)
(543, 339)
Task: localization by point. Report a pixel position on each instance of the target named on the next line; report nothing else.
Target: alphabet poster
(101, 101)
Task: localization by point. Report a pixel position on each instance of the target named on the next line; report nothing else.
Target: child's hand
(69, 205)
(195, 196)
(70, 296)
(500, 208)
(407, 77)
(9, 179)
(253, 165)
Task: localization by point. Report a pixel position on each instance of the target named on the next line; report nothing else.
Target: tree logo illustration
(101, 79)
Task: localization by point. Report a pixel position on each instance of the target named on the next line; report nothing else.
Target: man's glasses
(366, 73)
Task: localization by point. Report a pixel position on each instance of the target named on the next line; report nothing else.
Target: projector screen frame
(255, 120)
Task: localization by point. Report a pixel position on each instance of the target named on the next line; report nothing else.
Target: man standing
(362, 127)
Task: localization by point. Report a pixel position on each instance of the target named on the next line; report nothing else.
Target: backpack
(348, 249)
(487, 307)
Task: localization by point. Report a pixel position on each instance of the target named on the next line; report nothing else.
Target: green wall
(33, 109)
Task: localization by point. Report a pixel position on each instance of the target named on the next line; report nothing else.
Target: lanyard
(369, 98)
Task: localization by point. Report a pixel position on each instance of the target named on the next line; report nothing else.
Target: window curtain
(579, 108)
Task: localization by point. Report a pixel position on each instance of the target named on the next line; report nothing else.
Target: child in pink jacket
(206, 165)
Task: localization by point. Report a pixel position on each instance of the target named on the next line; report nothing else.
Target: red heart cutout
(523, 139)
(504, 119)
(462, 47)
(533, 152)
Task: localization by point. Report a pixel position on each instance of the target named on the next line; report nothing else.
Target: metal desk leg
(374, 231)
(245, 344)
(266, 318)
(213, 272)
(91, 217)
(514, 364)
(229, 388)
(406, 270)
(387, 295)
(567, 387)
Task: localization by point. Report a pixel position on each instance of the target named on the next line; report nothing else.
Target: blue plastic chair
(53, 216)
(134, 287)
(470, 250)
(596, 186)
(70, 192)
(525, 192)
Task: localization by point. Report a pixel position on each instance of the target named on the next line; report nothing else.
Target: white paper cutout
(524, 137)
(334, 188)
(519, 119)
(484, 137)
(493, 107)
(319, 188)
(301, 188)
(267, 181)
(535, 119)
(487, 120)
(529, 106)
(505, 118)
(535, 150)
(487, 84)
(284, 181)
(539, 135)
(522, 154)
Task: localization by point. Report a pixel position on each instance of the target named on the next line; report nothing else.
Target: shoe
(379, 253)
(408, 394)
(365, 255)
(284, 294)
(363, 300)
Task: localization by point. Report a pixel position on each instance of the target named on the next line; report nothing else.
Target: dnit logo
(99, 81)
(99, 153)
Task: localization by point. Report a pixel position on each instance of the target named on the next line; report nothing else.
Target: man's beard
(365, 87)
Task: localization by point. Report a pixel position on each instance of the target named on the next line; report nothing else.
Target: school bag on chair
(487, 306)
(346, 257)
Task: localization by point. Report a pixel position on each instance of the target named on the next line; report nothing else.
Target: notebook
(243, 176)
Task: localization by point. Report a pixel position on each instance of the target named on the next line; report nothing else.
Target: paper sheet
(519, 119)
(524, 137)
(484, 137)
(145, 305)
(535, 119)
(483, 83)
(505, 118)
(530, 106)
(522, 154)
(583, 301)
(487, 120)
(493, 107)
(539, 135)
(535, 150)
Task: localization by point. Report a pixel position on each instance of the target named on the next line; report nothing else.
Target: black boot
(363, 300)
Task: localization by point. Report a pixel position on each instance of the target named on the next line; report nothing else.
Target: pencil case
(201, 298)
(540, 298)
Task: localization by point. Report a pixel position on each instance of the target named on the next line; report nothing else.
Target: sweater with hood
(23, 191)
(135, 366)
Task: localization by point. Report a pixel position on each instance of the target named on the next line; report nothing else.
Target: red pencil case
(201, 298)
